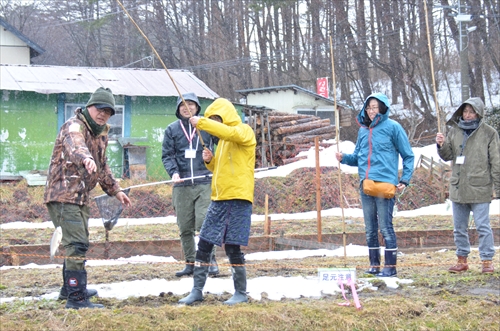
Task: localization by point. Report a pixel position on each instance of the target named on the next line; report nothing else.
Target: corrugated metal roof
(122, 81)
(281, 88)
(289, 87)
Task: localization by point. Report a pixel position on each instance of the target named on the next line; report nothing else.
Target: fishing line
(162, 63)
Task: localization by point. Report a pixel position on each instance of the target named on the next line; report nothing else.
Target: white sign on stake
(336, 274)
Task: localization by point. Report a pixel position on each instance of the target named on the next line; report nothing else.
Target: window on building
(116, 121)
(306, 111)
(323, 112)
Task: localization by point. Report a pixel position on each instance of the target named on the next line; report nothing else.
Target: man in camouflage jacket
(78, 163)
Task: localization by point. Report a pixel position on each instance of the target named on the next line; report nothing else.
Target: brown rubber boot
(487, 267)
(461, 265)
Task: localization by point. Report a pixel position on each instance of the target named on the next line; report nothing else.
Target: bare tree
(242, 44)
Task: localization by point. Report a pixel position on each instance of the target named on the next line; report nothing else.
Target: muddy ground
(291, 194)
(428, 270)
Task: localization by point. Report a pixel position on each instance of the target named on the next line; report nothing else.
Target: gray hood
(475, 102)
(188, 96)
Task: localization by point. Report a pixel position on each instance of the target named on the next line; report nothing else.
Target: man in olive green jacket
(474, 149)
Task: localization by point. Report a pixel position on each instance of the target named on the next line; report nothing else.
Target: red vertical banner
(322, 86)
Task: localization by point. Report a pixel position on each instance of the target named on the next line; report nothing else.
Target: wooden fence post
(430, 169)
(267, 226)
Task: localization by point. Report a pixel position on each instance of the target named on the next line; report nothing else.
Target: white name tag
(460, 159)
(190, 153)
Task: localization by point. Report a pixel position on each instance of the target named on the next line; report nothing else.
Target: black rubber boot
(374, 256)
(199, 278)
(391, 256)
(213, 268)
(76, 285)
(188, 270)
(63, 293)
(240, 286)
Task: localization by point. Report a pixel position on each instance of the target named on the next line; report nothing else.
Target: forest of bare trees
(242, 44)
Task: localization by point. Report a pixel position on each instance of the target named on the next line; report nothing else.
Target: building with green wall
(36, 101)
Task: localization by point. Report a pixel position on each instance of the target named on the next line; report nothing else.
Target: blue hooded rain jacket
(378, 148)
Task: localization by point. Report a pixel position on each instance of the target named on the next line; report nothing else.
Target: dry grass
(405, 314)
(436, 300)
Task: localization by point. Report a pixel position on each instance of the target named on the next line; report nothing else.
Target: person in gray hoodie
(182, 158)
(473, 148)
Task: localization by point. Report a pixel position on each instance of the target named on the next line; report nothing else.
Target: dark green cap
(102, 98)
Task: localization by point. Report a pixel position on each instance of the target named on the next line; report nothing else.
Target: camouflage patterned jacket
(68, 181)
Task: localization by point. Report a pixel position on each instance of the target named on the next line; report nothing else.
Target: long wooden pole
(432, 67)
(162, 63)
(337, 138)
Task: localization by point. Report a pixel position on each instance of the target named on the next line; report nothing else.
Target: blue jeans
(481, 213)
(377, 212)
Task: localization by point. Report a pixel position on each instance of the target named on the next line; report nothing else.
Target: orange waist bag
(379, 189)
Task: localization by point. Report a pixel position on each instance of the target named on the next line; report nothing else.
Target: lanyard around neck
(189, 137)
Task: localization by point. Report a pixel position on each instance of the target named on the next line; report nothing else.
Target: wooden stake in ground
(267, 219)
(337, 138)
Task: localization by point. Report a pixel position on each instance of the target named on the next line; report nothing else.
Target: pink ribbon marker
(346, 303)
(354, 293)
(350, 283)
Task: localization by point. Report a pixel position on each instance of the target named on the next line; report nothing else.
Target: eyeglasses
(107, 111)
(371, 108)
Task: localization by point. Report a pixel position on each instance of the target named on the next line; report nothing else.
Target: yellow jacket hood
(234, 160)
(225, 109)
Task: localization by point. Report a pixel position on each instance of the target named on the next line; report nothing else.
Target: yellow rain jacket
(234, 161)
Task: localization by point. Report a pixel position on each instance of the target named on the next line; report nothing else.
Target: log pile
(285, 135)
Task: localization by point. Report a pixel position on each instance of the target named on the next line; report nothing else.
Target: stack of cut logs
(288, 135)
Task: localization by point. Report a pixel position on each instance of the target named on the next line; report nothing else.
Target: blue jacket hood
(380, 117)
(379, 146)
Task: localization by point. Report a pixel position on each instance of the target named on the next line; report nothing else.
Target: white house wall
(287, 101)
(12, 49)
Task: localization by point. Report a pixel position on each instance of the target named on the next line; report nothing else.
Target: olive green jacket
(474, 180)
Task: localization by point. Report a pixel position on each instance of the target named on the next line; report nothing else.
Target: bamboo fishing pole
(337, 138)
(162, 63)
(432, 67)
